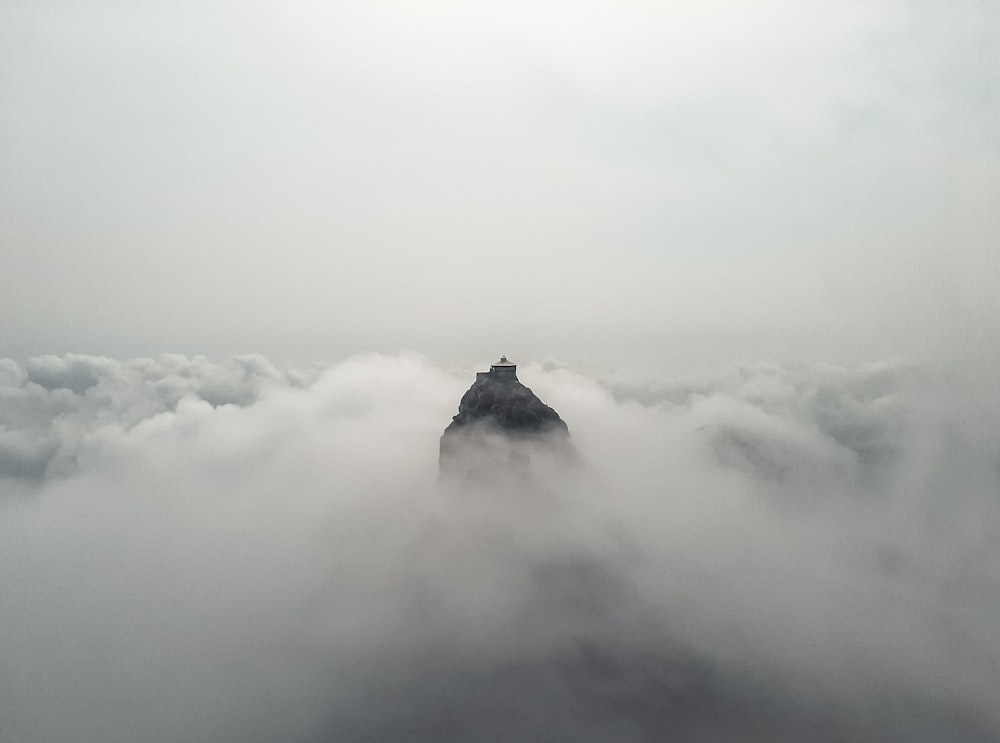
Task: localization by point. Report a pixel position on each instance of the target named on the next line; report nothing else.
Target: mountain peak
(499, 423)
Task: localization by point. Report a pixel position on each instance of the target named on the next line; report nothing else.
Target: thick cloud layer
(233, 552)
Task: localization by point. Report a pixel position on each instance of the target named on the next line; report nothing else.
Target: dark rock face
(500, 424)
(508, 405)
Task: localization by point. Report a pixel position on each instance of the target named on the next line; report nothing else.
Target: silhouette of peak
(500, 423)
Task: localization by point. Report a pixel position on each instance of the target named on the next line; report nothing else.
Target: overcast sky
(581, 179)
(253, 252)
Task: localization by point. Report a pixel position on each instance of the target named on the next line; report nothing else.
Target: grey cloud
(293, 568)
(72, 372)
(53, 405)
(24, 457)
(795, 421)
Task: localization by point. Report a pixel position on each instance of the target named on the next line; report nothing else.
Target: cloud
(204, 551)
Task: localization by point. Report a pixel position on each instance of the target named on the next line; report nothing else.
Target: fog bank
(227, 550)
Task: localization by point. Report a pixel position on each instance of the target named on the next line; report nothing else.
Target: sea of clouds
(229, 551)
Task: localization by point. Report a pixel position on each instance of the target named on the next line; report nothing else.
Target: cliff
(507, 405)
(500, 424)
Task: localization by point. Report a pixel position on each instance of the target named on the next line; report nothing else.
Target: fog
(226, 550)
(748, 253)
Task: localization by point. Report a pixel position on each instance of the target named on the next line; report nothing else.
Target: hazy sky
(578, 179)
(749, 252)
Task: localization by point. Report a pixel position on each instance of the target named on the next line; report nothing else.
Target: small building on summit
(502, 369)
(501, 427)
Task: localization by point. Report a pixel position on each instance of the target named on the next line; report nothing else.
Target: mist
(748, 253)
(312, 179)
(228, 550)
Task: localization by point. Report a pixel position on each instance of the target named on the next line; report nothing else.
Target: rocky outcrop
(507, 405)
(501, 424)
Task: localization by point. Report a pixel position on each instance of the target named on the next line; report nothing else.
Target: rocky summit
(500, 425)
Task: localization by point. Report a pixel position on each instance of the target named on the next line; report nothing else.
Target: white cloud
(229, 551)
